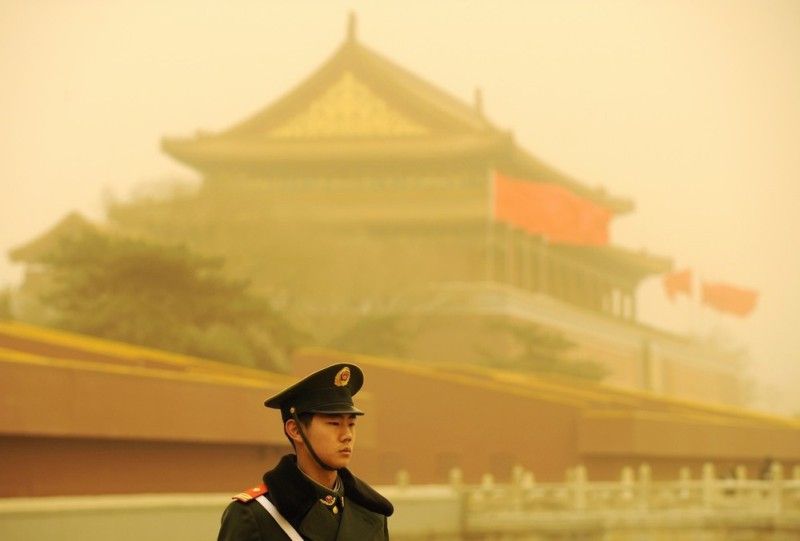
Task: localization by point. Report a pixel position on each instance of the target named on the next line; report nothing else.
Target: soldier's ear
(292, 430)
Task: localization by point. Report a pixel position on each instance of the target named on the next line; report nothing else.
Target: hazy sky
(690, 108)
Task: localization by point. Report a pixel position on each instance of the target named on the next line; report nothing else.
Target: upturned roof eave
(412, 86)
(499, 151)
(401, 86)
(525, 164)
(72, 225)
(452, 119)
(284, 105)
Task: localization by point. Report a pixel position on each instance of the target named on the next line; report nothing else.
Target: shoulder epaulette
(251, 493)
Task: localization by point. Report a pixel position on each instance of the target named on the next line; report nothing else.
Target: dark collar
(364, 495)
(293, 493)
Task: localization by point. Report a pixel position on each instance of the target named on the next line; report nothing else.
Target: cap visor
(336, 409)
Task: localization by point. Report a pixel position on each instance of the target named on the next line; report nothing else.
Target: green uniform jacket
(361, 512)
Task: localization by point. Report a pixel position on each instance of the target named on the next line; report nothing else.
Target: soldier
(311, 494)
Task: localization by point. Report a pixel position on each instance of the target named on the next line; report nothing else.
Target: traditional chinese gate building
(389, 217)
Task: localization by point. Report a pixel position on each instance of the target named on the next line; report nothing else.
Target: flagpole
(691, 306)
(701, 309)
(490, 225)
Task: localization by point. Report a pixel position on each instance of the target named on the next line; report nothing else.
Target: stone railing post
(487, 492)
(456, 479)
(528, 480)
(517, 491)
(740, 474)
(402, 479)
(516, 474)
(776, 487)
(709, 485)
(685, 483)
(579, 481)
(626, 484)
(645, 482)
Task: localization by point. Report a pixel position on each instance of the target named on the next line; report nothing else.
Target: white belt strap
(282, 522)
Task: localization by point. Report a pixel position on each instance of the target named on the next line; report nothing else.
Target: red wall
(429, 421)
(33, 466)
(427, 424)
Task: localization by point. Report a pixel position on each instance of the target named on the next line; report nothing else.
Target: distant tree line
(168, 297)
(161, 296)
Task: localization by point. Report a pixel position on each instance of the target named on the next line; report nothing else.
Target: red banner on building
(678, 282)
(728, 298)
(550, 210)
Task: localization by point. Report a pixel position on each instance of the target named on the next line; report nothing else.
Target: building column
(630, 303)
(527, 263)
(491, 253)
(542, 276)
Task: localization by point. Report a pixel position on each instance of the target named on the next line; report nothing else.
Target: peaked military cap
(329, 390)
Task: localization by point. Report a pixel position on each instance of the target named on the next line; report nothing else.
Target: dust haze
(689, 109)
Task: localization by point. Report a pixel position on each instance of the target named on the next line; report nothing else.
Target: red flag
(728, 298)
(678, 282)
(550, 210)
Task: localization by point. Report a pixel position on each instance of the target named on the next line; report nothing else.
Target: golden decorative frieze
(348, 108)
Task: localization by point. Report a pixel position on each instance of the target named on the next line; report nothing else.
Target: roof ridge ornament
(478, 100)
(352, 26)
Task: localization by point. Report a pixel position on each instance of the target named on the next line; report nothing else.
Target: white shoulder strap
(282, 522)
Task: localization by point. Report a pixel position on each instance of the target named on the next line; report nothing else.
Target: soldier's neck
(309, 467)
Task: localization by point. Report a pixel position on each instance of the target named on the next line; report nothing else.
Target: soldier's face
(333, 438)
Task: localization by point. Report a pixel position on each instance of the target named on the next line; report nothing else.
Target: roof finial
(351, 26)
(478, 100)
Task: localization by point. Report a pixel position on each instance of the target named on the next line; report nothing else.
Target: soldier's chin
(340, 461)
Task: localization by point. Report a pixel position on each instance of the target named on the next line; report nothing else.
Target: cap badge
(342, 377)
